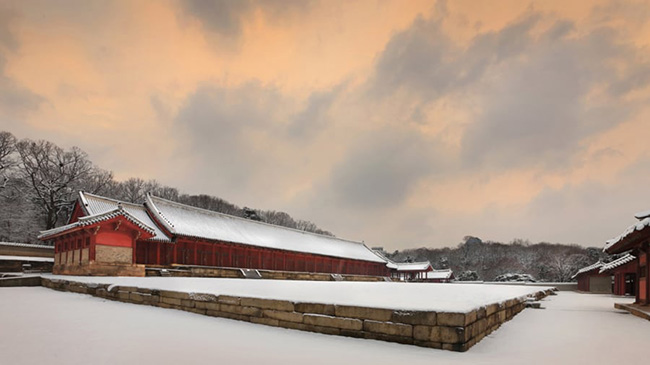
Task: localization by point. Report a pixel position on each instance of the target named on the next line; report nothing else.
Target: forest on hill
(39, 182)
(475, 259)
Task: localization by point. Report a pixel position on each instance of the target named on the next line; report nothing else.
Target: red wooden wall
(222, 254)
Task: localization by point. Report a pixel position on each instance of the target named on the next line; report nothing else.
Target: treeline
(39, 182)
(474, 259)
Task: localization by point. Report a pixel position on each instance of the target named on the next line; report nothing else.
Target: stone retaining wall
(448, 331)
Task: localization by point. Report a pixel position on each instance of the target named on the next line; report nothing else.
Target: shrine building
(107, 237)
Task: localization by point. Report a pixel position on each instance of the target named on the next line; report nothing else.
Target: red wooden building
(590, 279)
(636, 239)
(107, 237)
(623, 274)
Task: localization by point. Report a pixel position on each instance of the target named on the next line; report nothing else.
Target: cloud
(381, 167)
(311, 120)
(226, 17)
(15, 100)
(225, 129)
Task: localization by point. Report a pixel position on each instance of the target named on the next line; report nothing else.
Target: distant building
(590, 279)
(107, 237)
(18, 257)
(410, 271)
(635, 239)
(439, 276)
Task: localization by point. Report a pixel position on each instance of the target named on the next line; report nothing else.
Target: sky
(398, 123)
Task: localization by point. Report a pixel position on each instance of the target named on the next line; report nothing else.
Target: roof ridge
(190, 207)
(99, 197)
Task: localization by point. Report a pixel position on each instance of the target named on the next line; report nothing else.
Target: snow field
(45, 326)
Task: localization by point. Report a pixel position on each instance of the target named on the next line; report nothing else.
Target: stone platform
(441, 330)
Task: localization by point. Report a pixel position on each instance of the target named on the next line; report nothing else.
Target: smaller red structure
(636, 240)
(591, 280)
(623, 273)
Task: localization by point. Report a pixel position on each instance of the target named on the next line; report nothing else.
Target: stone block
(174, 294)
(199, 297)
(426, 333)
(292, 325)
(130, 289)
(187, 303)
(241, 310)
(226, 299)
(238, 317)
(388, 338)
(323, 329)
(451, 319)
(430, 344)
(481, 313)
(265, 321)
(171, 301)
(452, 335)
(492, 308)
(283, 316)
(334, 322)
(316, 308)
(376, 314)
(414, 317)
(136, 297)
(280, 305)
(123, 295)
(388, 328)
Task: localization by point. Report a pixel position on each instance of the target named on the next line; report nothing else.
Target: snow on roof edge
(92, 219)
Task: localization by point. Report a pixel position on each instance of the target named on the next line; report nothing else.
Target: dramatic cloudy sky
(400, 123)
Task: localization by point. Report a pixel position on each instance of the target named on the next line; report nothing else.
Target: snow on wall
(189, 221)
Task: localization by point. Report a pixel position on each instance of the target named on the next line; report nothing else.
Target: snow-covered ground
(39, 325)
(413, 296)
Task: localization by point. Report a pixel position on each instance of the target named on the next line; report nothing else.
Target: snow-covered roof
(95, 204)
(616, 263)
(30, 245)
(92, 219)
(642, 215)
(439, 274)
(588, 268)
(645, 222)
(184, 220)
(414, 266)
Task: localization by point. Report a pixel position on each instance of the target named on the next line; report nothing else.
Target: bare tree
(7, 149)
(53, 175)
